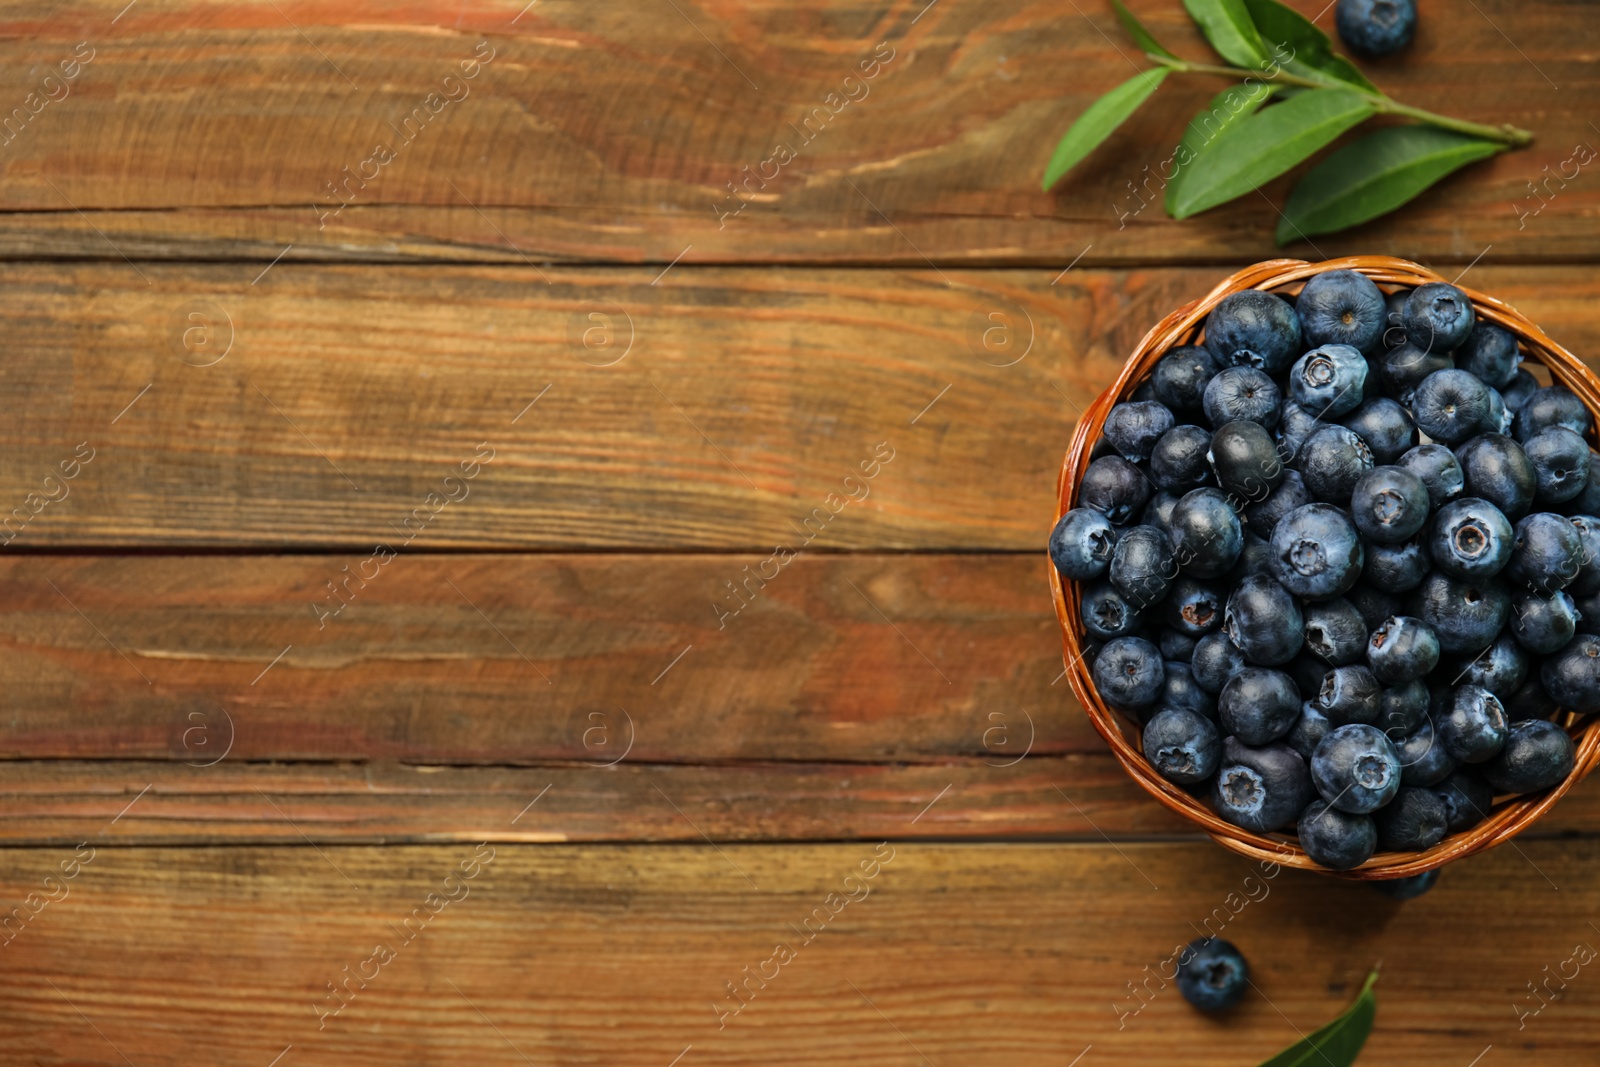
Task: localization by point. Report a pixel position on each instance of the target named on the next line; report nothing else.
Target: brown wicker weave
(1510, 815)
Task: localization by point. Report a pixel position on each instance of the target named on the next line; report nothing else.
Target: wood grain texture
(1004, 955)
(202, 129)
(736, 401)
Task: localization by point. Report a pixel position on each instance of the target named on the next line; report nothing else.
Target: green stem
(1506, 134)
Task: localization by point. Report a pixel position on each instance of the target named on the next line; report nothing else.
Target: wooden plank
(1014, 955)
(202, 130)
(736, 402)
(515, 659)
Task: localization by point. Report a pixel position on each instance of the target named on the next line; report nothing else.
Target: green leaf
(1339, 1043)
(1263, 146)
(1103, 117)
(1287, 32)
(1227, 25)
(1234, 104)
(1374, 176)
(1141, 36)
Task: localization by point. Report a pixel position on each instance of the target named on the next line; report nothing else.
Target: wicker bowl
(1510, 815)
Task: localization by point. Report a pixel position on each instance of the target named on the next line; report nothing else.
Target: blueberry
(1501, 668)
(1254, 329)
(1350, 695)
(1328, 381)
(1115, 488)
(1572, 677)
(1373, 28)
(1180, 690)
(1544, 625)
(1335, 632)
(1180, 377)
(1262, 516)
(1516, 392)
(1256, 558)
(1396, 567)
(1537, 755)
(1497, 419)
(1385, 426)
(1407, 888)
(1128, 673)
(1389, 504)
(1342, 307)
(1374, 604)
(1395, 306)
(1336, 839)
(1470, 538)
(1245, 460)
(1243, 393)
(1406, 366)
(1587, 581)
(1158, 512)
(1142, 392)
(1295, 424)
(1496, 469)
(1467, 799)
(1264, 621)
(1316, 552)
(1260, 789)
(1471, 724)
(1587, 502)
(1216, 659)
(1193, 608)
(1206, 535)
(1402, 709)
(1308, 730)
(1588, 613)
(1258, 706)
(1451, 406)
(1530, 701)
(1403, 649)
(1308, 672)
(1554, 405)
(1212, 974)
(1175, 645)
(1106, 613)
(1490, 353)
(1546, 553)
(1133, 429)
(1178, 460)
(1081, 544)
(1423, 759)
(1142, 565)
(1560, 461)
(1466, 613)
(1332, 459)
(1437, 467)
(1438, 316)
(1356, 769)
(1414, 822)
(1183, 747)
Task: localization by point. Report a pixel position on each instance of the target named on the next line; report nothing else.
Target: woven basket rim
(1508, 817)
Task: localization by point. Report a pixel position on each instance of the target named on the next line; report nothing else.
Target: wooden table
(446, 617)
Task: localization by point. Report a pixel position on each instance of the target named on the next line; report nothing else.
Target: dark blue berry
(1537, 755)
(1206, 534)
(1128, 673)
(1356, 769)
(1587, 502)
(1490, 353)
(1180, 377)
(1402, 709)
(1413, 822)
(1544, 624)
(1350, 694)
(1183, 747)
(1373, 603)
(1385, 426)
(1451, 406)
(1142, 565)
(1406, 366)
(1260, 789)
(1115, 488)
(1328, 381)
(1193, 608)
(1335, 632)
(1308, 730)
(1081, 544)
(1254, 329)
(1396, 567)
(1245, 460)
(1587, 581)
(1438, 316)
(1106, 613)
(1437, 467)
(1530, 701)
(1467, 799)
(1403, 649)
(1498, 419)
(1554, 405)
(1256, 558)
(1546, 553)
(1243, 393)
(1572, 676)
(1471, 724)
(1133, 429)
(1294, 426)
(1342, 307)
(1470, 538)
(1258, 706)
(1216, 659)
(1389, 504)
(1331, 460)
(1158, 512)
(1338, 840)
(1373, 28)
(1262, 516)
(1180, 690)
(1264, 620)
(1466, 613)
(1516, 393)
(1407, 888)
(1176, 645)
(1497, 469)
(1212, 974)
(1423, 759)
(1316, 552)
(1501, 668)
(1560, 461)
(1178, 461)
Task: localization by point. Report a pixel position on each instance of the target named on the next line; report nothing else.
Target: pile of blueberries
(1342, 564)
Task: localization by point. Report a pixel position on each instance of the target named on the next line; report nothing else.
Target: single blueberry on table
(1180, 377)
(1356, 769)
(1587, 581)
(1295, 424)
(1176, 645)
(1115, 488)
(1389, 504)
(1245, 460)
(1414, 821)
(1467, 799)
(1438, 316)
(1212, 974)
(1554, 405)
(1142, 565)
(1308, 731)
(1316, 552)
(1467, 613)
(1560, 461)
(1501, 668)
(1243, 393)
(1385, 426)
(1342, 307)
(1081, 544)
(1399, 568)
(1546, 553)
(1216, 659)
(1106, 613)
(1403, 649)
(1260, 789)
(1206, 534)
(1537, 755)
(1471, 724)
(1470, 538)
(1193, 608)
(1451, 406)
(1407, 888)
(1134, 428)
(1128, 673)
(1544, 624)
(1373, 603)
(1516, 392)
(1328, 381)
(1183, 747)
(1339, 840)
(1262, 516)
(1335, 632)
(1437, 467)
(1258, 706)
(1178, 460)
(1406, 366)
(1402, 709)
(1254, 329)
(1349, 695)
(1264, 620)
(1572, 676)
(1490, 353)
(1332, 459)
(1373, 28)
